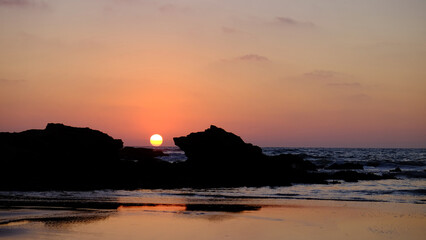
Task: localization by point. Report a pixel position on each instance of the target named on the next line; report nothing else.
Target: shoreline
(403, 191)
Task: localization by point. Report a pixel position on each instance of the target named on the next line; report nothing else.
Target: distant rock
(396, 170)
(139, 154)
(340, 166)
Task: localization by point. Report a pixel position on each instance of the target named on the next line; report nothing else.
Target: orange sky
(278, 73)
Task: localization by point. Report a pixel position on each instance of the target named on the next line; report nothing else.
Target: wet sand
(290, 219)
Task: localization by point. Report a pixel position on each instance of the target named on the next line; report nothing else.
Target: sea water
(409, 187)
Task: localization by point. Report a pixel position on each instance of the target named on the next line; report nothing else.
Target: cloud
(23, 3)
(228, 30)
(349, 85)
(322, 74)
(332, 79)
(252, 57)
(285, 21)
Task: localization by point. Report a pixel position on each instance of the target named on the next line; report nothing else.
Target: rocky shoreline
(61, 157)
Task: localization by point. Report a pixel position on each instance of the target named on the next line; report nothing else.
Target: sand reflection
(291, 220)
(154, 207)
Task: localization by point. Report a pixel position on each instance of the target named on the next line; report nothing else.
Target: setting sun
(156, 140)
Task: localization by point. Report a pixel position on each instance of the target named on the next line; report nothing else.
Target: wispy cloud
(252, 57)
(229, 30)
(285, 21)
(23, 3)
(322, 74)
(332, 79)
(347, 85)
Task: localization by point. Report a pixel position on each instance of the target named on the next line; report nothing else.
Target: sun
(156, 140)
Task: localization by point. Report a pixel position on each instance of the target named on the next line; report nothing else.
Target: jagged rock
(216, 146)
(220, 158)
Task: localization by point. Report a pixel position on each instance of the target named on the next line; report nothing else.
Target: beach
(284, 219)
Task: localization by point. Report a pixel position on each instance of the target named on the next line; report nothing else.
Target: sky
(284, 73)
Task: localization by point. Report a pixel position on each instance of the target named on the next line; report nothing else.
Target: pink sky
(278, 73)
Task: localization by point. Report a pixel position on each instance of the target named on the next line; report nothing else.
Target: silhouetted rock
(59, 143)
(216, 146)
(220, 158)
(397, 170)
(58, 157)
(62, 157)
(339, 166)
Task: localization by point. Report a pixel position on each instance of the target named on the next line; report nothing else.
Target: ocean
(409, 165)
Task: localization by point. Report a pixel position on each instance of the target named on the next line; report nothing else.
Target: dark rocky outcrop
(220, 158)
(63, 157)
(216, 146)
(59, 144)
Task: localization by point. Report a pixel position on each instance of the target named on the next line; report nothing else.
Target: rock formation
(59, 144)
(62, 157)
(220, 158)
